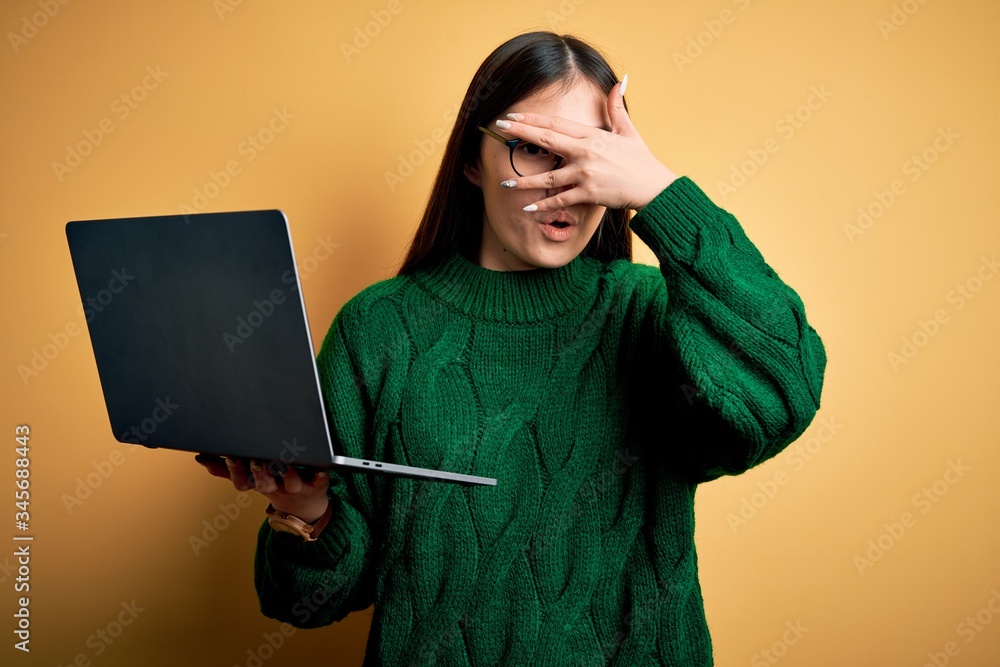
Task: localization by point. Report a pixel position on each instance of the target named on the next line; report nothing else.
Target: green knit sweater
(599, 395)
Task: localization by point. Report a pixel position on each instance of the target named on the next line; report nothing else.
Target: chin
(553, 260)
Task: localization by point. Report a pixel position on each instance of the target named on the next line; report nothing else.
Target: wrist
(285, 522)
(308, 512)
(658, 184)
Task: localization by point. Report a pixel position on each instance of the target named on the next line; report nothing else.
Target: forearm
(731, 334)
(312, 584)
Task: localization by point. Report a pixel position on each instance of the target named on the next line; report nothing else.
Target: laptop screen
(200, 334)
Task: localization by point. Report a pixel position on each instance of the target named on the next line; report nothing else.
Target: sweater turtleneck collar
(510, 296)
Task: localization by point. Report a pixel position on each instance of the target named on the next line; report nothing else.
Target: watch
(289, 523)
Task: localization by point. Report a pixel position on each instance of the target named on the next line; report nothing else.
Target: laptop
(202, 343)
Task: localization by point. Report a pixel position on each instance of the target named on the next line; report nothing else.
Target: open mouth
(559, 219)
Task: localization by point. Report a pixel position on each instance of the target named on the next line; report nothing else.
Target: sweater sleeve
(738, 367)
(312, 584)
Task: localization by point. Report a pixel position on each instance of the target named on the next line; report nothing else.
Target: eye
(532, 149)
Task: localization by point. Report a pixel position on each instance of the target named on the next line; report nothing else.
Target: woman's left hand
(613, 169)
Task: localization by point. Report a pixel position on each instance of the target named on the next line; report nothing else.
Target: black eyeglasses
(526, 158)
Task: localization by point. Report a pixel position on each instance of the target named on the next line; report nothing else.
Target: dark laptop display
(201, 338)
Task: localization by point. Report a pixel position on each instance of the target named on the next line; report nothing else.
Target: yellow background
(890, 430)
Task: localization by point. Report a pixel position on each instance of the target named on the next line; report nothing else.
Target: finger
(547, 180)
(621, 123)
(554, 133)
(265, 481)
(562, 200)
(292, 480)
(214, 464)
(239, 473)
(535, 121)
(319, 479)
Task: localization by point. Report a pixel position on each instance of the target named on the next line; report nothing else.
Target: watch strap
(289, 523)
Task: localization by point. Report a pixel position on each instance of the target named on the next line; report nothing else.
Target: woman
(520, 342)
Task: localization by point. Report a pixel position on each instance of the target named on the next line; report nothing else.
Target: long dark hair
(516, 69)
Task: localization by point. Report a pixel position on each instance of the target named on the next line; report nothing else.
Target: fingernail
(515, 116)
(503, 124)
(530, 207)
(621, 88)
(508, 184)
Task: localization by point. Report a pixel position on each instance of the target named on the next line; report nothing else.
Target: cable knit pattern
(599, 395)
